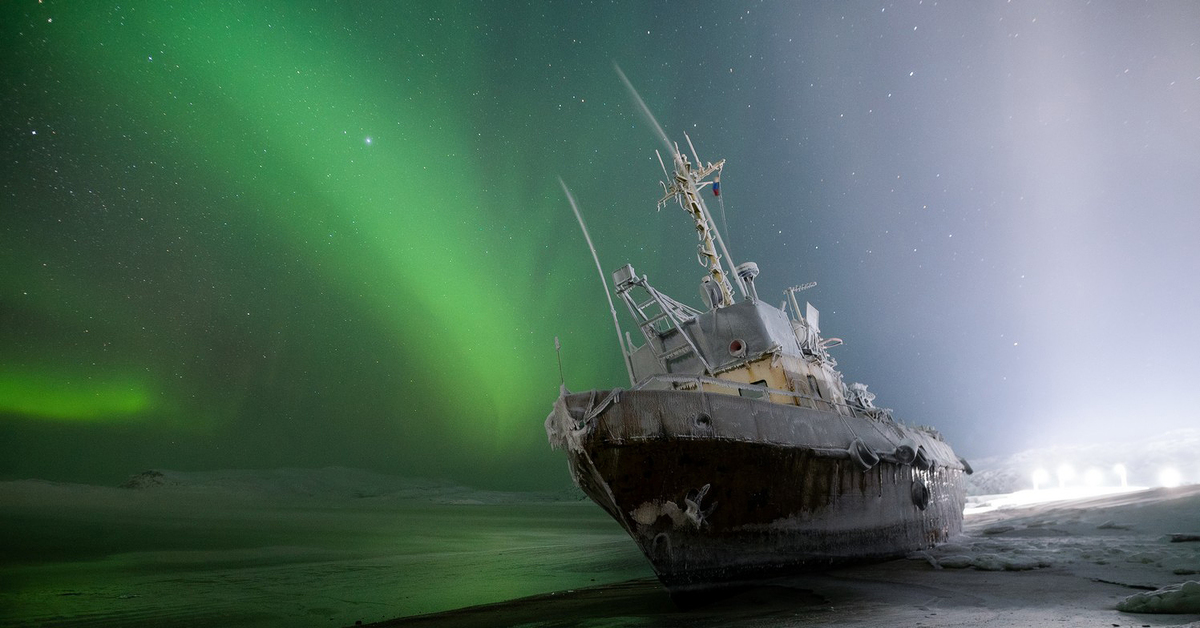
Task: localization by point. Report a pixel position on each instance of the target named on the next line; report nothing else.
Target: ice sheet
(332, 547)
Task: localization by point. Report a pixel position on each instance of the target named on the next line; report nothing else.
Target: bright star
(368, 140)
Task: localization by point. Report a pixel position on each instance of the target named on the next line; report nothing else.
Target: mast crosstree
(685, 186)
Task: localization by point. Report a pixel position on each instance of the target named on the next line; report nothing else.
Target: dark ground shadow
(642, 602)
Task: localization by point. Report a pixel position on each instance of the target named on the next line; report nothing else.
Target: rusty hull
(719, 489)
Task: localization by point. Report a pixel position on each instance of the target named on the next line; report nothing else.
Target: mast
(737, 277)
(685, 188)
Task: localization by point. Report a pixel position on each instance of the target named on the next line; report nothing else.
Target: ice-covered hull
(718, 488)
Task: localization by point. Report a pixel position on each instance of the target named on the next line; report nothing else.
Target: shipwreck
(737, 452)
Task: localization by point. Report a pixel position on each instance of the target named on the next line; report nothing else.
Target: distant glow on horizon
(1066, 473)
(1119, 469)
(1040, 477)
(1026, 498)
(1170, 477)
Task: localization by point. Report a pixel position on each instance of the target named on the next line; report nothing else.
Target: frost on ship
(738, 452)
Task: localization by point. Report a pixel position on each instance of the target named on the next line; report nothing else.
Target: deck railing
(688, 382)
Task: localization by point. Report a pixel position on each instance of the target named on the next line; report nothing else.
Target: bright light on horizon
(1120, 471)
(1066, 473)
(1170, 477)
(1040, 477)
(988, 503)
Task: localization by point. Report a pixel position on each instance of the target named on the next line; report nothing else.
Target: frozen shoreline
(341, 546)
(1064, 563)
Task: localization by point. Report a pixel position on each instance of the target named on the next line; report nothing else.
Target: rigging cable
(716, 190)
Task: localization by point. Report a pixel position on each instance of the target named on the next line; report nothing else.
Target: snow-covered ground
(332, 547)
(331, 484)
(288, 547)
(1147, 540)
(1100, 561)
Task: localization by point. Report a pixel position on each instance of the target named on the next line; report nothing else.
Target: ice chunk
(1175, 599)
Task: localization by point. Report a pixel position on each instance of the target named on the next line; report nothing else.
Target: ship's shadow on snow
(1108, 559)
(639, 602)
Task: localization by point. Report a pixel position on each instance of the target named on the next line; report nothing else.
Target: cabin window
(755, 394)
(812, 386)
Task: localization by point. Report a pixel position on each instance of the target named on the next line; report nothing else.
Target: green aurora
(273, 238)
(61, 398)
(268, 234)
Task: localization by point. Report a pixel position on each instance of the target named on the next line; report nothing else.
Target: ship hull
(718, 489)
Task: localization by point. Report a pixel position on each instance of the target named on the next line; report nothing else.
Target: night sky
(309, 234)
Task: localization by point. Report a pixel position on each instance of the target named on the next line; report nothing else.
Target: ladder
(650, 316)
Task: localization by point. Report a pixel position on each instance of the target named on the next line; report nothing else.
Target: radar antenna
(791, 296)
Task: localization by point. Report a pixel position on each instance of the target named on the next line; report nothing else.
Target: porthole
(737, 348)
